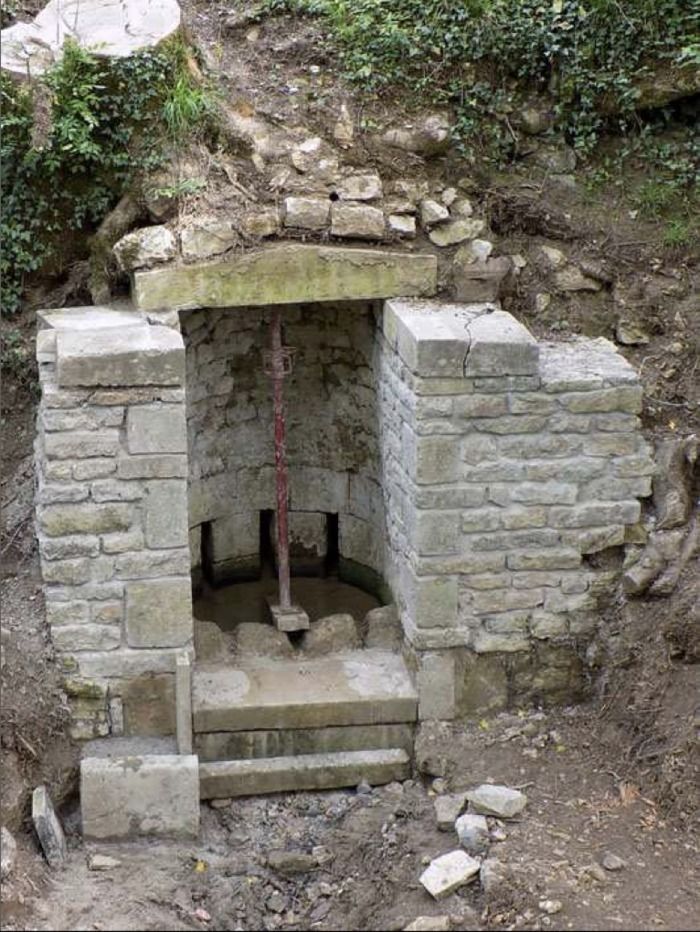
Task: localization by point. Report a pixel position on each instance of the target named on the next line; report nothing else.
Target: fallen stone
(473, 833)
(456, 231)
(447, 809)
(553, 258)
(48, 828)
(145, 247)
(612, 862)
(363, 788)
(494, 875)
(277, 903)
(357, 221)
(449, 872)
(429, 924)
(291, 862)
(572, 278)
(8, 853)
(205, 239)
(596, 872)
(222, 803)
(333, 633)
(252, 637)
(479, 250)
(102, 862)
(499, 801)
(306, 154)
(432, 212)
(462, 207)
(550, 907)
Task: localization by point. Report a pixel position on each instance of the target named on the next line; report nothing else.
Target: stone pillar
(505, 462)
(111, 463)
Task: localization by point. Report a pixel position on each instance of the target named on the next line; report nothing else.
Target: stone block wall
(332, 434)
(505, 464)
(111, 461)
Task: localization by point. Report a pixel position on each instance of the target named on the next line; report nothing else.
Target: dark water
(247, 601)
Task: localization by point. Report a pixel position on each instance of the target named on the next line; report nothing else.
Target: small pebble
(551, 907)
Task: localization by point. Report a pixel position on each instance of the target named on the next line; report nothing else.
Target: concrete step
(220, 779)
(247, 745)
(367, 687)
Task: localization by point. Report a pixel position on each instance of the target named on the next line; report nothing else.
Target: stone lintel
(123, 356)
(287, 274)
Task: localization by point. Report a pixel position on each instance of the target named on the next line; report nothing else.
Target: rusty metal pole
(278, 374)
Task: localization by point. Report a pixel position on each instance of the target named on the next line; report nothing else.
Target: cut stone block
(156, 429)
(287, 275)
(500, 346)
(123, 356)
(48, 828)
(361, 688)
(235, 546)
(307, 772)
(245, 745)
(357, 221)
(431, 337)
(307, 213)
(159, 612)
(145, 794)
(166, 513)
(449, 872)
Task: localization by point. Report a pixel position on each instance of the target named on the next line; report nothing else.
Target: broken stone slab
(123, 356)
(48, 828)
(145, 794)
(102, 27)
(287, 274)
(500, 801)
(145, 247)
(500, 345)
(473, 832)
(447, 809)
(449, 872)
(8, 853)
(334, 633)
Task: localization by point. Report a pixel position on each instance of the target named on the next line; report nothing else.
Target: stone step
(221, 779)
(367, 687)
(248, 745)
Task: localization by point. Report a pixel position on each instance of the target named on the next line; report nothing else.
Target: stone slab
(247, 745)
(123, 356)
(48, 828)
(500, 345)
(89, 317)
(306, 772)
(287, 274)
(431, 337)
(293, 618)
(133, 796)
(356, 688)
(449, 872)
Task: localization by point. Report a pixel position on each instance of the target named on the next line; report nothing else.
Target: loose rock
(494, 875)
(291, 862)
(612, 862)
(144, 247)
(431, 212)
(456, 231)
(551, 907)
(630, 333)
(447, 809)
(449, 872)
(429, 924)
(344, 129)
(473, 833)
(572, 278)
(8, 853)
(102, 862)
(48, 828)
(500, 801)
(382, 628)
(333, 633)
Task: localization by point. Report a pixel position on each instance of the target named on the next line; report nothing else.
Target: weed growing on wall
(73, 143)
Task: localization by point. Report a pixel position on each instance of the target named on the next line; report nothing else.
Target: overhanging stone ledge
(287, 274)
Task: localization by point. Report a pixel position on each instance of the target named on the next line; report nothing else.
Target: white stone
(500, 801)
(449, 872)
(102, 27)
(305, 155)
(403, 225)
(344, 129)
(8, 853)
(102, 862)
(462, 207)
(144, 247)
(473, 832)
(448, 196)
